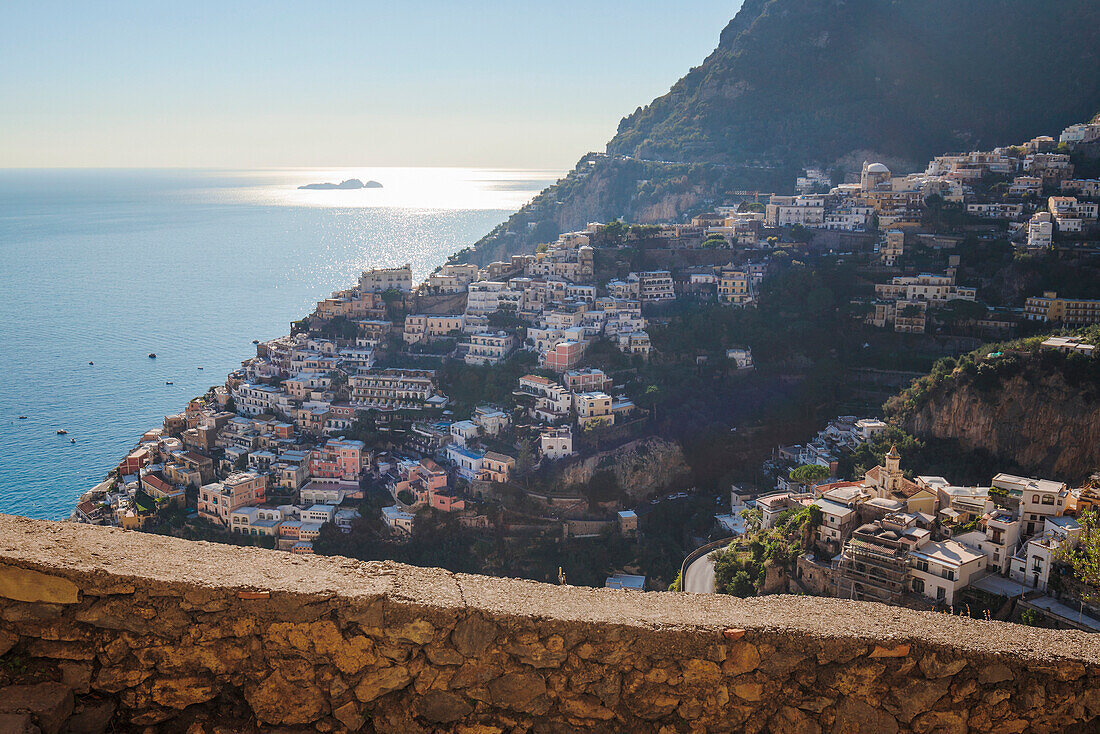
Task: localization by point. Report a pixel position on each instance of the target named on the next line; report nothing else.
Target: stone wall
(195, 637)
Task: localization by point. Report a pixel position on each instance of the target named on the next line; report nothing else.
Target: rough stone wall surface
(185, 636)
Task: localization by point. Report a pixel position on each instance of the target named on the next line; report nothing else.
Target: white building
(653, 286)
(556, 443)
(398, 519)
(940, 570)
(384, 279)
(1040, 231)
(489, 347)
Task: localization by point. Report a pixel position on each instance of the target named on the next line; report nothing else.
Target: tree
(958, 309)
(808, 474)
(1084, 559)
(406, 497)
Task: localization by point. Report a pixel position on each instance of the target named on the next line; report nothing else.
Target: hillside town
(925, 541)
(366, 397)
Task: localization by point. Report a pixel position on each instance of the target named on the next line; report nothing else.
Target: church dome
(877, 168)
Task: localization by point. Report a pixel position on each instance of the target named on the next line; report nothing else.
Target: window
(918, 586)
(1035, 499)
(941, 593)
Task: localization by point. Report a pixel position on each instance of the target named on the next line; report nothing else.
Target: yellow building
(1050, 308)
(734, 286)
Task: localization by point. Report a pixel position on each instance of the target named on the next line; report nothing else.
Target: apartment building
(654, 286)
(940, 570)
(1039, 499)
(489, 347)
(217, 500)
(496, 467)
(1088, 188)
(451, 278)
(589, 379)
(421, 328)
(339, 458)
(483, 297)
(635, 342)
(936, 289)
(593, 410)
(378, 280)
(1050, 308)
(735, 287)
(394, 388)
(563, 356)
(782, 211)
(256, 399)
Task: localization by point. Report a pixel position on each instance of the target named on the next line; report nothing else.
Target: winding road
(699, 576)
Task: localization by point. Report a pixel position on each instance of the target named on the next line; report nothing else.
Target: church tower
(893, 468)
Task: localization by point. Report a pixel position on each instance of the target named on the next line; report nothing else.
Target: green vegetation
(740, 569)
(752, 100)
(988, 367)
(809, 474)
(1084, 559)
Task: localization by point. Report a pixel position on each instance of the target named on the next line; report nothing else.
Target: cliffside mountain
(828, 83)
(1032, 411)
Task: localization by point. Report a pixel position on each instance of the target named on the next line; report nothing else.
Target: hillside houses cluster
(889, 538)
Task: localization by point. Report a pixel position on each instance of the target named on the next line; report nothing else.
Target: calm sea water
(107, 266)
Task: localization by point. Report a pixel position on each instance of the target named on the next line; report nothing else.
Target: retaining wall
(199, 637)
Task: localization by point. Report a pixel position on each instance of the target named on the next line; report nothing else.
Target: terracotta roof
(873, 473)
(157, 483)
(906, 488)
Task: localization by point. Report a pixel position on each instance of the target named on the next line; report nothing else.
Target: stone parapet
(176, 634)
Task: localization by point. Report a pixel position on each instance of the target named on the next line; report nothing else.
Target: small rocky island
(351, 183)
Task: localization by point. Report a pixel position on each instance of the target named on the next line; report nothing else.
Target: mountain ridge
(828, 83)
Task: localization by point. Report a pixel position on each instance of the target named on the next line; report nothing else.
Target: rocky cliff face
(647, 465)
(1035, 419)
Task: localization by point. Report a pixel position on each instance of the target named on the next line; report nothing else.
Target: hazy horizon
(278, 86)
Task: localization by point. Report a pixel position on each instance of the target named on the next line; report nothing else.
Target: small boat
(255, 341)
(200, 368)
(72, 440)
(168, 382)
(152, 355)
(91, 363)
(22, 417)
(61, 431)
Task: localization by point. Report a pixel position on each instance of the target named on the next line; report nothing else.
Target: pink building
(564, 356)
(338, 459)
(218, 500)
(447, 501)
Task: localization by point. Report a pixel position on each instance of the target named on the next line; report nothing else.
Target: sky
(224, 84)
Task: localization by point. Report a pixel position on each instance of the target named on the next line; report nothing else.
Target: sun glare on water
(405, 188)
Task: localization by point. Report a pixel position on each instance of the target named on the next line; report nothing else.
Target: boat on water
(255, 341)
(61, 431)
(168, 382)
(200, 368)
(91, 363)
(22, 417)
(152, 355)
(72, 440)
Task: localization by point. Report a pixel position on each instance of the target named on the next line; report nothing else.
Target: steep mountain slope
(829, 82)
(800, 81)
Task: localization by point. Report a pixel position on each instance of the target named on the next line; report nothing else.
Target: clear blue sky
(269, 84)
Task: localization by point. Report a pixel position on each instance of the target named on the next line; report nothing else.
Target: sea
(101, 268)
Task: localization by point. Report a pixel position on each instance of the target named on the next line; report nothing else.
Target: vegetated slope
(797, 81)
(829, 82)
(1035, 410)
